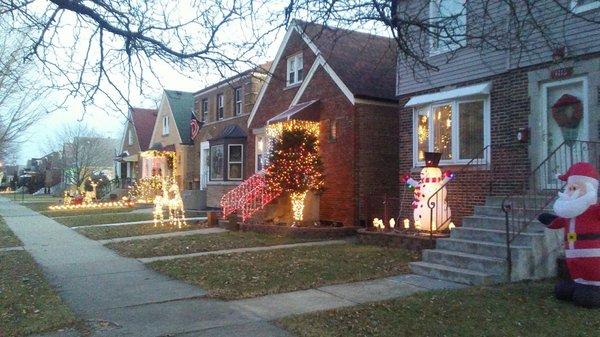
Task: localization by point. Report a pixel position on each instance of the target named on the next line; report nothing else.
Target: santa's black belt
(587, 236)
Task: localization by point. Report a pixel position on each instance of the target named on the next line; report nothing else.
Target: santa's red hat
(582, 173)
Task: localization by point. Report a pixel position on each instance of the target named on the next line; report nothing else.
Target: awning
(301, 111)
(473, 90)
(230, 132)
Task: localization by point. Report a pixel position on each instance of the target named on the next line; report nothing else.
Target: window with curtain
(216, 162)
(449, 25)
(235, 161)
(457, 129)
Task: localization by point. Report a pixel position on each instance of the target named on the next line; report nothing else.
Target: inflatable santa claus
(578, 213)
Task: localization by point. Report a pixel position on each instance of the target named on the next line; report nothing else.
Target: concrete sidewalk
(101, 286)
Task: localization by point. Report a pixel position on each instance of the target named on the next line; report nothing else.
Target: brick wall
(338, 202)
(378, 162)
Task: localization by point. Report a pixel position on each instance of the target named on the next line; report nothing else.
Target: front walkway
(101, 286)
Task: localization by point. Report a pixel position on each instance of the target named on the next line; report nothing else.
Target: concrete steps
(476, 252)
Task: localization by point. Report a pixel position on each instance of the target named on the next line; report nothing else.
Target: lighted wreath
(567, 111)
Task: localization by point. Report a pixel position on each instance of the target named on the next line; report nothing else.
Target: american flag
(194, 126)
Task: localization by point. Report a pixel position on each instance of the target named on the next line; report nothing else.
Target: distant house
(223, 109)
(345, 81)
(170, 145)
(136, 139)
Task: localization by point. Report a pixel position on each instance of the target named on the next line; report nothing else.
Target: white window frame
(237, 101)
(584, 8)
(229, 162)
(165, 125)
(260, 138)
(130, 139)
(455, 129)
(446, 47)
(204, 107)
(295, 64)
(220, 107)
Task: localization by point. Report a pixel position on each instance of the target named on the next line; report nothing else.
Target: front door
(574, 92)
(204, 162)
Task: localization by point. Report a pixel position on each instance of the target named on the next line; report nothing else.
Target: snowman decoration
(430, 181)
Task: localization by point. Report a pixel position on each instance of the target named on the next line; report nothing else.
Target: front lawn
(252, 274)
(7, 237)
(101, 233)
(198, 243)
(99, 219)
(89, 211)
(27, 303)
(523, 309)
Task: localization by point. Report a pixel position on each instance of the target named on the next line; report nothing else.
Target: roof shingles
(182, 107)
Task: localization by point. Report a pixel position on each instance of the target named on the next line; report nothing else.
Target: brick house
(491, 114)
(171, 134)
(499, 96)
(220, 149)
(136, 139)
(345, 80)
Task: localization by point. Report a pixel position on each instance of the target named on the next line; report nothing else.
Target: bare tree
(84, 152)
(21, 98)
(91, 47)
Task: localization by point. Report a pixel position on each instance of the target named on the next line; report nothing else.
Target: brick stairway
(476, 252)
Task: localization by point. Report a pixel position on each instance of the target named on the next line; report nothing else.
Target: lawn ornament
(578, 213)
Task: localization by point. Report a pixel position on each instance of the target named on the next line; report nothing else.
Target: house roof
(182, 107)
(263, 68)
(143, 123)
(366, 63)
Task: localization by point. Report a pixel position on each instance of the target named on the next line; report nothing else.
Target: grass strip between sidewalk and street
(199, 243)
(7, 237)
(102, 233)
(520, 309)
(251, 274)
(27, 303)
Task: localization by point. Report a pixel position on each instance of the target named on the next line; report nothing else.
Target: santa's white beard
(572, 206)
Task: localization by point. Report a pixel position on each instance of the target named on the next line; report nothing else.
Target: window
(294, 69)
(216, 162)
(260, 152)
(237, 101)
(458, 129)
(165, 125)
(449, 25)
(219, 106)
(579, 6)
(205, 109)
(333, 130)
(235, 161)
(130, 139)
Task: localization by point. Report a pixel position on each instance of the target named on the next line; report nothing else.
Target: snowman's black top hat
(432, 159)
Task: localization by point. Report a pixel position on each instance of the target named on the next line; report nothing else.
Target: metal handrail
(511, 219)
(475, 161)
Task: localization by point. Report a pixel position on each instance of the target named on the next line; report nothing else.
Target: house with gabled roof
(170, 146)
(345, 81)
(136, 139)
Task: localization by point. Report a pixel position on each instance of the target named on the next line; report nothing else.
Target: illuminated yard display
(157, 166)
(294, 165)
(172, 202)
(88, 200)
(431, 210)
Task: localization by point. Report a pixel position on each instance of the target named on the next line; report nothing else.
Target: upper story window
(294, 69)
(458, 129)
(580, 6)
(165, 125)
(449, 25)
(204, 109)
(220, 107)
(237, 101)
(130, 137)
